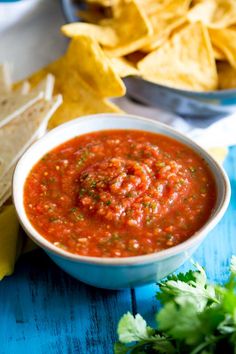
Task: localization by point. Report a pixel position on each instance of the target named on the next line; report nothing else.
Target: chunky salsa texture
(119, 193)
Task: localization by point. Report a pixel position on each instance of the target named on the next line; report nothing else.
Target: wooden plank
(214, 254)
(43, 310)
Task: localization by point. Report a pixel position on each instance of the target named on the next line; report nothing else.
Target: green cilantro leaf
(193, 284)
(187, 325)
(133, 328)
(196, 318)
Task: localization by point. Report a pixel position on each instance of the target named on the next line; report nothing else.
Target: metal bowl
(191, 104)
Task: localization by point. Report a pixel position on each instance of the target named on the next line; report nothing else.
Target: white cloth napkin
(30, 38)
(208, 133)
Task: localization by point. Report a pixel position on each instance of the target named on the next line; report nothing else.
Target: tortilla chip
(17, 135)
(219, 153)
(106, 36)
(86, 59)
(218, 54)
(225, 40)
(123, 67)
(165, 16)
(135, 57)
(131, 36)
(13, 104)
(91, 15)
(74, 67)
(55, 69)
(227, 76)
(79, 97)
(5, 81)
(120, 34)
(101, 2)
(87, 104)
(9, 227)
(214, 13)
(183, 63)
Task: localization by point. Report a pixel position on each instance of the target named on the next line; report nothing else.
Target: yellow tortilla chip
(92, 15)
(85, 77)
(218, 54)
(219, 153)
(9, 227)
(78, 97)
(214, 13)
(104, 35)
(86, 59)
(183, 63)
(123, 67)
(164, 16)
(84, 62)
(101, 2)
(56, 68)
(225, 40)
(120, 35)
(88, 104)
(135, 57)
(227, 76)
(131, 26)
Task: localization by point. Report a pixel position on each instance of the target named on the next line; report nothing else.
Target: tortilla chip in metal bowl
(180, 65)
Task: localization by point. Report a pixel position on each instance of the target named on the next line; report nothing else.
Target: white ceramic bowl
(116, 273)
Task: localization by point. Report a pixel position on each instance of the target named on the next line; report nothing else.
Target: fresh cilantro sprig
(196, 317)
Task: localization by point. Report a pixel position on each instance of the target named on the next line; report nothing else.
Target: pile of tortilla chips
(185, 44)
(86, 79)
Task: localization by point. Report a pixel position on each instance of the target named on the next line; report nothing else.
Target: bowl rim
(197, 95)
(194, 240)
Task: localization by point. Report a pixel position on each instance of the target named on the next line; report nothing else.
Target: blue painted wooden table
(43, 310)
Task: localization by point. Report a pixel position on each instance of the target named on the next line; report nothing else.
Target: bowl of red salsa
(117, 200)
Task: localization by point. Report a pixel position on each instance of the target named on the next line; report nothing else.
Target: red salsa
(119, 193)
